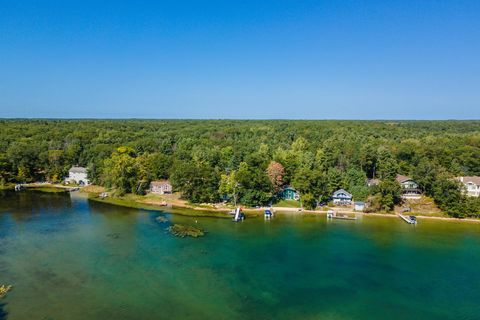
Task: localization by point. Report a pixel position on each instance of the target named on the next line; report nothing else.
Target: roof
(78, 170)
(159, 182)
(373, 181)
(342, 191)
(472, 179)
(400, 178)
(359, 202)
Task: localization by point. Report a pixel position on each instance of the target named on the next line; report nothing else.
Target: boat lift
(238, 215)
(268, 214)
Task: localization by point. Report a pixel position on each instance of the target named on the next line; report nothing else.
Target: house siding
(78, 175)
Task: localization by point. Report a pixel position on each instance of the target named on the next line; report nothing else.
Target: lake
(71, 258)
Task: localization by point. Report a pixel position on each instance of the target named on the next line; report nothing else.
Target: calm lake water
(69, 258)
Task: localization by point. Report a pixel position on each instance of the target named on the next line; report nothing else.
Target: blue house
(289, 193)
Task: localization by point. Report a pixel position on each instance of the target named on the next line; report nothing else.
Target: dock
(333, 215)
(409, 219)
(344, 217)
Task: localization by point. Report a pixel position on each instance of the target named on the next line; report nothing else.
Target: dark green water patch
(70, 258)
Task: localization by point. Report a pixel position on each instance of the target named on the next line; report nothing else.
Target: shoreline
(255, 212)
(41, 186)
(222, 213)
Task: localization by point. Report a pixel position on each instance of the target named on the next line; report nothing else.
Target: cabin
(472, 185)
(372, 182)
(410, 188)
(342, 197)
(78, 175)
(289, 193)
(359, 206)
(160, 187)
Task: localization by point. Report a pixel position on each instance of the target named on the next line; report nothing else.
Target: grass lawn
(288, 204)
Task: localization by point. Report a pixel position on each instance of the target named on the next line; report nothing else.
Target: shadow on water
(28, 202)
(3, 313)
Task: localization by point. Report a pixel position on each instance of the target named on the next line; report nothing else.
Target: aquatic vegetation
(180, 230)
(4, 290)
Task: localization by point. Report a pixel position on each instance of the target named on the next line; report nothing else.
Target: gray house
(342, 197)
(160, 187)
(410, 188)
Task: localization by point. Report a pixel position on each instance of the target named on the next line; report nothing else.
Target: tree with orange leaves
(275, 173)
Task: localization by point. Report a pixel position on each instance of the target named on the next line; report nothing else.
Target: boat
(268, 214)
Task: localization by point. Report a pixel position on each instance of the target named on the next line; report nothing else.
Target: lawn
(288, 204)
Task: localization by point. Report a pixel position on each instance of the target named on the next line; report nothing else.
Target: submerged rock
(161, 219)
(184, 231)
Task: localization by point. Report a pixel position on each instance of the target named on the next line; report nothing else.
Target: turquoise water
(69, 258)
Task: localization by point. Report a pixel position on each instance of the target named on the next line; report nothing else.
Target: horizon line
(233, 119)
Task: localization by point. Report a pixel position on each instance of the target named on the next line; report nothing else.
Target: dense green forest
(210, 160)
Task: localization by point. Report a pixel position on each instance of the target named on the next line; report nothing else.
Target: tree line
(248, 161)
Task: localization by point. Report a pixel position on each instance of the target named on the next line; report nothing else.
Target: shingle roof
(472, 179)
(159, 183)
(342, 191)
(78, 170)
(400, 178)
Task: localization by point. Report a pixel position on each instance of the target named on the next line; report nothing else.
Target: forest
(249, 161)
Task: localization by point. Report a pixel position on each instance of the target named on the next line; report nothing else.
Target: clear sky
(293, 59)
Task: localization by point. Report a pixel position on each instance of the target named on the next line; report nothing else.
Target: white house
(78, 175)
(472, 185)
(160, 187)
(342, 197)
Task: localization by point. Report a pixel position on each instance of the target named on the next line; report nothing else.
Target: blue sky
(240, 59)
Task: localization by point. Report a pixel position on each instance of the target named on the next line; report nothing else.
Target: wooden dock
(333, 215)
(344, 217)
(407, 219)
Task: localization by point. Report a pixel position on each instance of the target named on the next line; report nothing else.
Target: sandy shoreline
(388, 215)
(223, 212)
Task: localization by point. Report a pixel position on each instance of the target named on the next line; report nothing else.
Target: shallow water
(69, 258)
